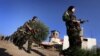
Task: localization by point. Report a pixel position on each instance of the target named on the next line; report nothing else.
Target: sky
(14, 13)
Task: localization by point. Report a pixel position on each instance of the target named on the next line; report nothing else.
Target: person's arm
(76, 21)
(66, 17)
(28, 27)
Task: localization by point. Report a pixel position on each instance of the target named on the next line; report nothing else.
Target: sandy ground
(9, 49)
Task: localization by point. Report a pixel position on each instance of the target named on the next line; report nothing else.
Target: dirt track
(8, 49)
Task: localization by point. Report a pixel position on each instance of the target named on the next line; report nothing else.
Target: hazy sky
(14, 13)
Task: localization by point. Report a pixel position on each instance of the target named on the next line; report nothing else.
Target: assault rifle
(83, 21)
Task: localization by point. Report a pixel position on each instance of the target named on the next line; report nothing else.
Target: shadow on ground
(3, 53)
(36, 51)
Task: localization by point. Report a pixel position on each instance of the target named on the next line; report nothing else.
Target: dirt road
(8, 49)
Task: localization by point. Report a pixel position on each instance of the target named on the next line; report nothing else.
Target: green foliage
(84, 53)
(81, 52)
(42, 33)
(98, 51)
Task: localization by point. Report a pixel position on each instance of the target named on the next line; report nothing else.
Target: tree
(41, 31)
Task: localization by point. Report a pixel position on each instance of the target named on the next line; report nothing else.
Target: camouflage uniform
(30, 31)
(20, 37)
(29, 44)
(73, 30)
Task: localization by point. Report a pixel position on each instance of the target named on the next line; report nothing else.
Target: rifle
(77, 24)
(83, 21)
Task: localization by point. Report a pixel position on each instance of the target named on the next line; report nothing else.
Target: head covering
(70, 8)
(34, 18)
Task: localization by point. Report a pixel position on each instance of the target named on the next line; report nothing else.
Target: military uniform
(73, 30)
(22, 37)
(30, 31)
